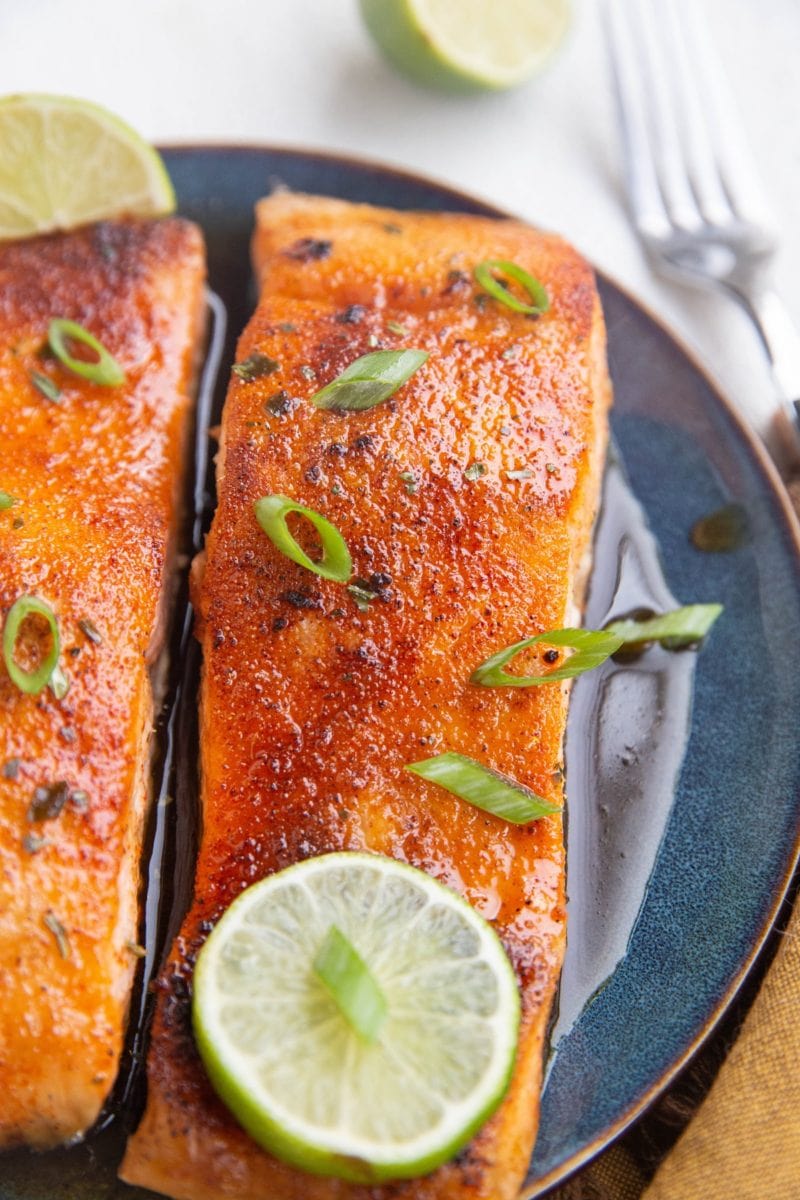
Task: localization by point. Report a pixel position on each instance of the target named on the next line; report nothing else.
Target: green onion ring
(535, 289)
(106, 371)
(271, 513)
(34, 681)
(591, 650)
(682, 627)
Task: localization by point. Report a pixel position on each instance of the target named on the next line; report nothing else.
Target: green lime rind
(401, 30)
(320, 1147)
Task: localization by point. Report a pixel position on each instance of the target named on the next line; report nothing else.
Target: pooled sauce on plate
(626, 737)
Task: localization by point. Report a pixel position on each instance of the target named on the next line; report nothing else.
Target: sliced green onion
(591, 650)
(351, 984)
(105, 370)
(6, 500)
(369, 380)
(483, 788)
(255, 366)
(682, 627)
(22, 608)
(271, 513)
(47, 386)
(540, 301)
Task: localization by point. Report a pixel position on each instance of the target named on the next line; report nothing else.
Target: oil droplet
(721, 531)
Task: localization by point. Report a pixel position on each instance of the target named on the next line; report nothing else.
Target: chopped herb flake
(32, 843)
(59, 933)
(280, 403)
(410, 480)
(59, 682)
(475, 471)
(309, 249)
(11, 768)
(287, 327)
(79, 799)
(90, 630)
(363, 596)
(136, 950)
(6, 500)
(48, 801)
(352, 315)
(255, 366)
(46, 386)
(396, 327)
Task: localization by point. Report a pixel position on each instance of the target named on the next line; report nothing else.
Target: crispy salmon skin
(95, 475)
(466, 501)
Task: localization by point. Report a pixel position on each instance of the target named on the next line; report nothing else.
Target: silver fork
(693, 189)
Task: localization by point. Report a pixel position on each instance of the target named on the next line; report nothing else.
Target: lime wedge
(467, 45)
(65, 163)
(306, 1078)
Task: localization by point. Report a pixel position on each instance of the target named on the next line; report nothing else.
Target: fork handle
(781, 340)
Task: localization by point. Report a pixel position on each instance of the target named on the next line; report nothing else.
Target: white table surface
(304, 73)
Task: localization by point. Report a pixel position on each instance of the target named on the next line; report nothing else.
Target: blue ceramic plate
(683, 818)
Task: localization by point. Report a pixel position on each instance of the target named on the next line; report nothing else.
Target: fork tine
(734, 159)
(691, 110)
(667, 147)
(644, 192)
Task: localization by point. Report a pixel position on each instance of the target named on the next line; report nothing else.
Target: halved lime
(295, 1072)
(65, 163)
(467, 45)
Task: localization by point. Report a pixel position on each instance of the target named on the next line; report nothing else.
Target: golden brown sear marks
(96, 475)
(466, 501)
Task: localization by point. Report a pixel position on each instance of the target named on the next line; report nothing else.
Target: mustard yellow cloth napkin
(743, 1143)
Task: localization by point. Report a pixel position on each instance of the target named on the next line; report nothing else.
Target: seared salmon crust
(467, 502)
(95, 473)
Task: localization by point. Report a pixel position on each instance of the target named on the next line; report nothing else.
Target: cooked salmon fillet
(310, 706)
(96, 475)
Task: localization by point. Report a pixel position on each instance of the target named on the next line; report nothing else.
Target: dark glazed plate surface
(731, 838)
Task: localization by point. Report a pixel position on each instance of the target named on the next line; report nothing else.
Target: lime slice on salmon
(467, 45)
(358, 1018)
(65, 163)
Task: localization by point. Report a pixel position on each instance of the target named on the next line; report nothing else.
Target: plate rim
(749, 441)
